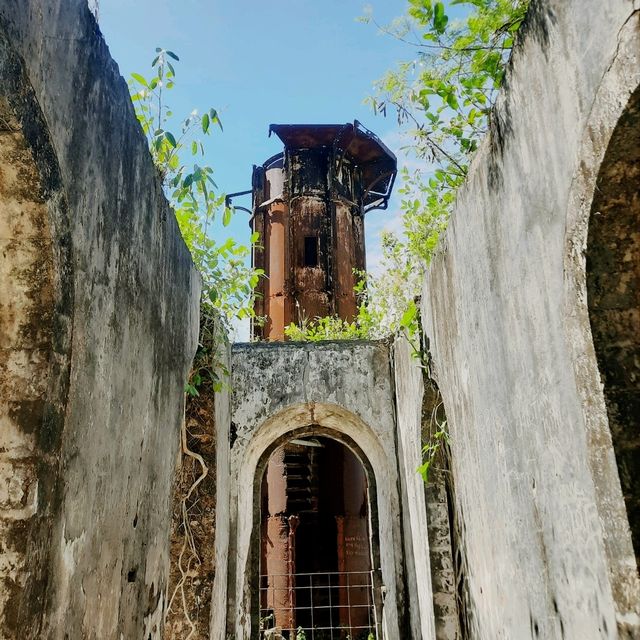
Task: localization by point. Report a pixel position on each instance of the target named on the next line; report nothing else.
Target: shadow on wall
(35, 327)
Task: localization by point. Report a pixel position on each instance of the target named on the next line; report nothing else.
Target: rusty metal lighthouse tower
(309, 204)
(316, 568)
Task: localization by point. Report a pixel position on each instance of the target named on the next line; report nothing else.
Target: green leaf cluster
(177, 147)
(442, 98)
(386, 303)
(431, 449)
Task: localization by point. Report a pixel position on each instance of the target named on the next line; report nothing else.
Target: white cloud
(391, 219)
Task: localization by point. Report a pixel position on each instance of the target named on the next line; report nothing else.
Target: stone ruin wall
(505, 310)
(98, 321)
(343, 390)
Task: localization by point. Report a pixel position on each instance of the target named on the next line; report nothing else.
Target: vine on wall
(442, 98)
(227, 295)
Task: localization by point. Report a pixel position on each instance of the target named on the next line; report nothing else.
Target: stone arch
(592, 250)
(316, 430)
(342, 424)
(35, 336)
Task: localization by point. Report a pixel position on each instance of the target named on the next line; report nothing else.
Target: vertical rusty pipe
(293, 521)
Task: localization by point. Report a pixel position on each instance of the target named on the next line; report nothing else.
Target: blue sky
(284, 61)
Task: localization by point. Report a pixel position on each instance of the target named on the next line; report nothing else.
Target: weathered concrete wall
(430, 573)
(344, 390)
(99, 325)
(409, 388)
(546, 537)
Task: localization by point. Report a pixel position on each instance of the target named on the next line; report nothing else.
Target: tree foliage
(227, 282)
(442, 98)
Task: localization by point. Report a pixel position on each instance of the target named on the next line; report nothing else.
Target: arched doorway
(613, 292)
(316, 562)
(371, 437)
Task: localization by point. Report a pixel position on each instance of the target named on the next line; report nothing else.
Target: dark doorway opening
(316, 578)
(613, 293)
(311, 251)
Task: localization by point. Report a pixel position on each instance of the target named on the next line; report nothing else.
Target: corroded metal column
(354, 546)
(308, 208)
(309, 204)
(316, 542)
(277, 548)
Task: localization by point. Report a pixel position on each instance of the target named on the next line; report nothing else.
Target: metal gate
(320, 606)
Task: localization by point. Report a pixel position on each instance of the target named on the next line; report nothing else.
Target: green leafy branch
(228, 284)
(430, 451)
(443, 98)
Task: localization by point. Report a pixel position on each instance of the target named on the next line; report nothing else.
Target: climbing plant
(442, 98)
(177, 146)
